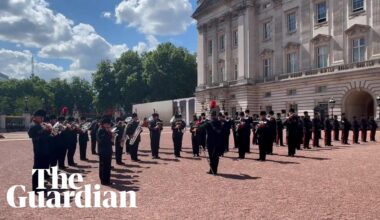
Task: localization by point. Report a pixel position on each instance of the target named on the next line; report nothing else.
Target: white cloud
(17, 64)
(155, 17)
(151, 44)
(85, 50)
(32, 23)
(106, 14)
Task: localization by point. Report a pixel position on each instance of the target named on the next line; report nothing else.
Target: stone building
(278, 54)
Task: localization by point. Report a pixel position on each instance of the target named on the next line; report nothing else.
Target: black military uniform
(308, 130)
(242, 136)
(93, 132)
(215, 148)
(104, 139)
(263, 135)
(155, 128)
(118, 145)
(254, 123)
(249, 124)
(61, 145)
(373, 126)
(194, 130)
(71, 140)
(316, 130)
(40, 138)
(328, 129)
(292, 128)
(202, 133)
(131, 128)
(233, 127)
(177, 127)
(279, 130)
(83, 139)
(336, 127)
(300, 132)
(271, 122)
(227, 131)
(355, 130)
(346, 126)
(54, 145)
(364, 128)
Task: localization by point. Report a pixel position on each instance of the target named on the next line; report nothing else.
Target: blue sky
(69, 37)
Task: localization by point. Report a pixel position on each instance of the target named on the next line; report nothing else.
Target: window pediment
(357, 28)
(266, 53)
(292, 46)
(321, 38)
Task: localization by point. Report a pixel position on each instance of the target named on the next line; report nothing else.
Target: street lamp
(332, 105)
(26, 100)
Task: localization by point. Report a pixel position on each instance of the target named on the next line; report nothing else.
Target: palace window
(357, 5)
(221, 43)
(292, 22)
(235, 38)
(267, 30)
(321, 89)
(267, 94)
(292, 92)
(267, 66)
(321, 12)
(292, 62)
(358, 50)
(235, 72)
(210, 47)
(322, 57)
(268, 108)
(293, 106)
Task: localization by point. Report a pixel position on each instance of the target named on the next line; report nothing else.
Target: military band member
(119, 141)
(242, 135)
(178, 127)
(292, 124)
(71, 140)
(104, 139)
(213, 129)
(194, 130)
(264, 136)
(255, 122)
(355, 130)
(233, 128)
(373, 127)
(131, 128)
(316, 130)
(202, 133)
(83, 139)
(248, 122)
(280, 128)
(308, 130)
(300, 132)
(54, 144)
(227, 130)
(93, 131)
(336, 126)
(271, 122)
(346, 126)
(40, 134)
(364, 128)
(62, 146)
(155, 128)
(328, 129)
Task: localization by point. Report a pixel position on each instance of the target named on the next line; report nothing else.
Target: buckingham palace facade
(281, 54)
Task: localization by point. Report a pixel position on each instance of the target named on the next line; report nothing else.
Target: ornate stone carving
(321, 38)
(266, 53)
(292, 46)
(357, 28)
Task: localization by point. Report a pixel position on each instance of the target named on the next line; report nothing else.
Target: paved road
(342, 183)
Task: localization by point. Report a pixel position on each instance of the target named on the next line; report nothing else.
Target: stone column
(2, 123)
(241, 45)
(215, 52)
(27, 119)
(228, 49)
(187, 112)
(201, 56)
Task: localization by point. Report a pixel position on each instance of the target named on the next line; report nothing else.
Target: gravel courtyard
(338, 183)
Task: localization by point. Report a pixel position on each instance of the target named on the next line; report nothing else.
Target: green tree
(170, 72)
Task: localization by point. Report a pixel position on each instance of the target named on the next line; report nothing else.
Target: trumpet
(85, 127)
(58, 128)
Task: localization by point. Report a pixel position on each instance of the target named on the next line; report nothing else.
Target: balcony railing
(289, 76)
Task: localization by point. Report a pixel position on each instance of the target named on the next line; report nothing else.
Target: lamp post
(26, 100)
(332, 105)
(378, 104)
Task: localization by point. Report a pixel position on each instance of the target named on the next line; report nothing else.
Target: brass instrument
(137, 132)
(58, 128)
(85, 127)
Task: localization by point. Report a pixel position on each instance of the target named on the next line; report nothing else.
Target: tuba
(137, 132)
